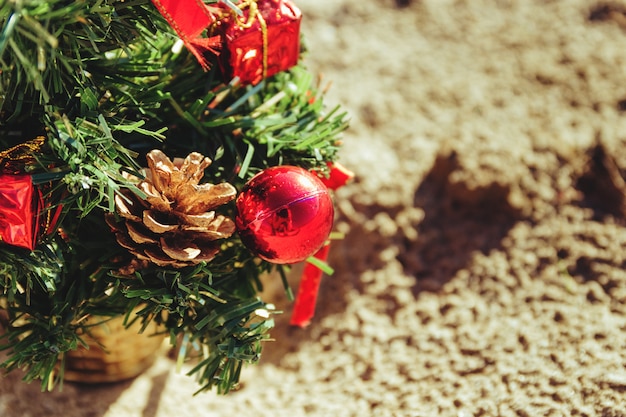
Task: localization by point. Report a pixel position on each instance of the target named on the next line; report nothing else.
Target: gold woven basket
(115, 353)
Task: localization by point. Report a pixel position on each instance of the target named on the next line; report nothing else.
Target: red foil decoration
(25, 214)
(304, 307)
(269, 45)
(284, 214)
(17, 221)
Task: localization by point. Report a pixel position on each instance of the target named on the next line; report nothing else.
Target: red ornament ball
(284, 214)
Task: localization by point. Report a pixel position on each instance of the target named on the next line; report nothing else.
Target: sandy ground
(483, 269)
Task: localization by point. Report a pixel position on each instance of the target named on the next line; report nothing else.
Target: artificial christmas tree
(132, 151)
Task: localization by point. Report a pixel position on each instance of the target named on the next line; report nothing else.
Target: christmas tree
(156, 159)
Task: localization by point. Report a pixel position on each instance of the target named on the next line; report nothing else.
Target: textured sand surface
(483, 269)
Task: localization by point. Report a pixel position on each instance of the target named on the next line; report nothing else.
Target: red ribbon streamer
(189, 18)
(304, 306)
(339, 176)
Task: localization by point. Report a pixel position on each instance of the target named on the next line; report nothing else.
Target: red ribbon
(189, 18)
(304, 306)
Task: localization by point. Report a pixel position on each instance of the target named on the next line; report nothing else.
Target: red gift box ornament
(261, 42)
(25, 210)
(25, 213)
(19, 211)
(16, 216)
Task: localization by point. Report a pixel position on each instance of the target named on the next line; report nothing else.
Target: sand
(483, 267)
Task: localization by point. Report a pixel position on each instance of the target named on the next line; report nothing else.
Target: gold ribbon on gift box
(14, 159)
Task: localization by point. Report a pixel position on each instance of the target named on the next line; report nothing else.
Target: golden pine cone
(175, 225)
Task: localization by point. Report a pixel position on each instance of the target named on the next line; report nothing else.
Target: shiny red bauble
(284, 214)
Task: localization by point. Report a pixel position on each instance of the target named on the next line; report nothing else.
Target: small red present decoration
(22, 204)
(25, 212)
(262, 42)
(17, 221)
